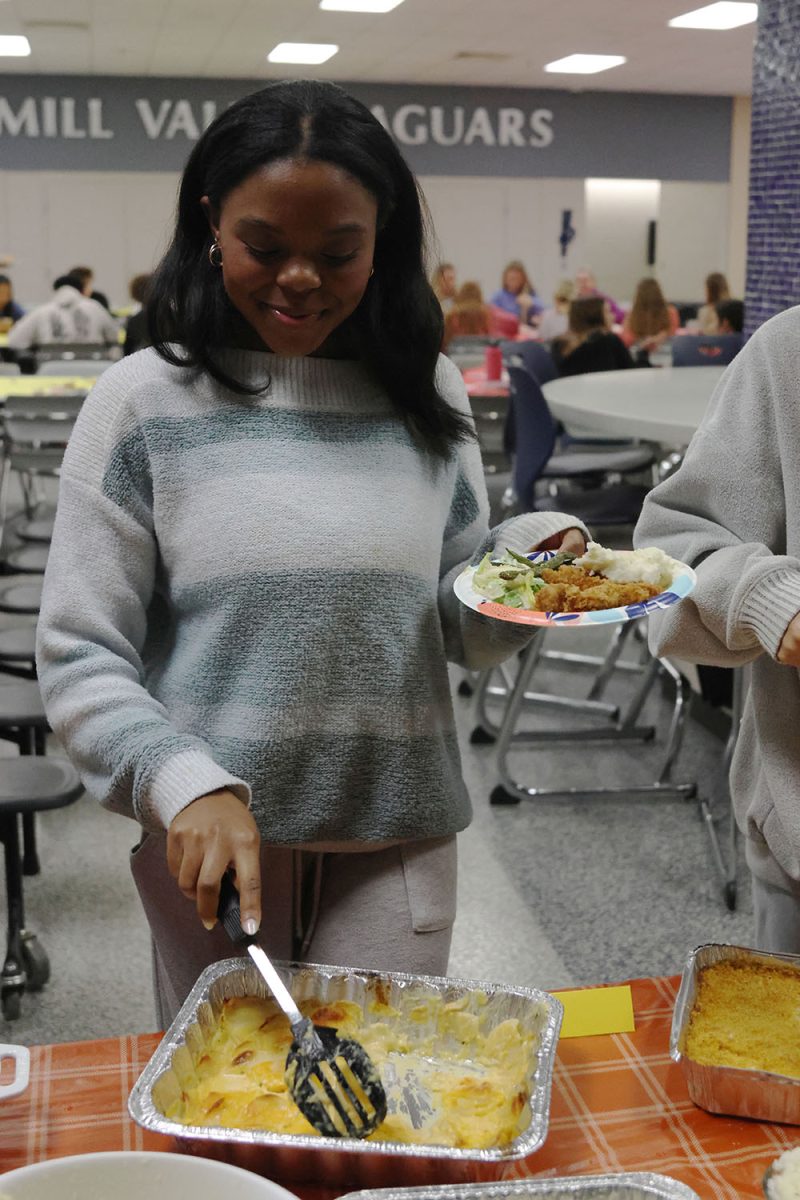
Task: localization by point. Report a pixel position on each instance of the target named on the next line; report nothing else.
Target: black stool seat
(30, 784)
(38, 529)
(18, 645)
(21, 598)
(27, 785)
(28, 560)
(21, 704)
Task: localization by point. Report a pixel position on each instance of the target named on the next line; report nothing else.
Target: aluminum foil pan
(736, 1091)
(640, 1186)
(345, 1161)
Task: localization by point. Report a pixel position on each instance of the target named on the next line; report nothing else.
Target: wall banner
(124, 123)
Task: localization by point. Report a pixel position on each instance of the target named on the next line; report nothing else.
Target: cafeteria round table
(663, 405)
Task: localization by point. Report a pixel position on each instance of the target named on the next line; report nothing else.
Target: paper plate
(682, 584)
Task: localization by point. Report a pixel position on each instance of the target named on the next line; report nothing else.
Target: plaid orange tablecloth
(619, 1104)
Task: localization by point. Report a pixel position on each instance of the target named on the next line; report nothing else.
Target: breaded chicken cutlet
(571, 589)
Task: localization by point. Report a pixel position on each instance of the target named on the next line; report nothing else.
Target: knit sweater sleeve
(725, 511)
(99, 583)
(472, 640)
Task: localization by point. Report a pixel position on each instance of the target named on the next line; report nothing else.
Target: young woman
(554, 321)
(248, 608)
(517, 294)
(731, 511)
(443, 282)
(469, 316)
(651, 320)
(10, 311)
(716, 289)
(589, 344)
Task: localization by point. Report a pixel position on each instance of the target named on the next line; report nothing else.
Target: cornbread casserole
(746, 1015)
(476, 1082)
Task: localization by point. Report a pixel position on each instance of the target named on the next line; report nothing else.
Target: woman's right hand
(214, 832)
(789, 649)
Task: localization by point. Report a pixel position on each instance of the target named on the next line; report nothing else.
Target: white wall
(115, 222)
(481, 224)
(692, 236)
(618, 212)
(118, 223)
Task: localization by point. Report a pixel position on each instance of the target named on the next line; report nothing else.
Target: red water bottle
(494, 362)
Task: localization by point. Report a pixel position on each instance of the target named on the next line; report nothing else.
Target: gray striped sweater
(257, 594)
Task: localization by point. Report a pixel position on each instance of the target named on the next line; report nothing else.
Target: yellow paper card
(590, 1011)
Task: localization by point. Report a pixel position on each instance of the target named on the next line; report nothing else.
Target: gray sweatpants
(389, 910)
(777, 917)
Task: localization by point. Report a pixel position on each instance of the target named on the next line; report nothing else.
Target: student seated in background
(554, 322)
(716, 290)
(589, 344)
(69, 317)
(469, 316)
(651, 320)
(517, 294)
(730, 316)
(10, 311)
(86, 276)
(136, 331)
(443, 282)
(586, 289)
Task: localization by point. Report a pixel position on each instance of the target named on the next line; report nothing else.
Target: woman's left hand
(571, 541)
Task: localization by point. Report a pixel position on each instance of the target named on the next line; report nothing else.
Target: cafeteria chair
(468, 350)
(20, 598)
(35, 432)
(535, 460)
(490, 414)
(27, 785)
(84, 367)
(533, 356)
(63, 351)
(705, 350)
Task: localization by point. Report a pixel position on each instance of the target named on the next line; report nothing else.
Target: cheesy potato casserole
(467, 1087)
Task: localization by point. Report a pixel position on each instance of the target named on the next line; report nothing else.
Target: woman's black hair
(397, 327)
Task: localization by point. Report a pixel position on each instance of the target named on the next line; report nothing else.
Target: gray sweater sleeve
(724, 512)
(90, 634)
(472, 640)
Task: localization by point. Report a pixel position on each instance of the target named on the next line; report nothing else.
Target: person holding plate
(248, 608)
(731, 511)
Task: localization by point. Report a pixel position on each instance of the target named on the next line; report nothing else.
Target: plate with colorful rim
(682, 584)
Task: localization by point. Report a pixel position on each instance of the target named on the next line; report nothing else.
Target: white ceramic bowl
(137, 1175)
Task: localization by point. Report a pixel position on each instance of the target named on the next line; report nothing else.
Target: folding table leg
(511, 790)
(486, 730)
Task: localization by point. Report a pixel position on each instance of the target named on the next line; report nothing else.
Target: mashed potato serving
(649, 565)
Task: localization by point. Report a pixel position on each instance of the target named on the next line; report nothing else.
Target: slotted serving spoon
(332, 1080)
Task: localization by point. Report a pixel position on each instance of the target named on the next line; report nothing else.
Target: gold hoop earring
(215, 254)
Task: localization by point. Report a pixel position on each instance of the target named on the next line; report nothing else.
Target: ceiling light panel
(14, 45)
(585, 64)
(368, 6)
(302, 52)
(725, 14)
